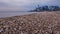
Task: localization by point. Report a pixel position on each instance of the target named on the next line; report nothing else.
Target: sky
(25, 5)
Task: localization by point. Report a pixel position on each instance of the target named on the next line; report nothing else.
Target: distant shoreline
(9, 14)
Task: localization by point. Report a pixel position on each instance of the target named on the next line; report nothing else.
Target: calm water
(10, 13)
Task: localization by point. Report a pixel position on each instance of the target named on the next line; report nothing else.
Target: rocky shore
(39, 23)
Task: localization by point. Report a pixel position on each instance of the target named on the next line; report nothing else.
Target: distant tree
(46, 8)
(54, 8)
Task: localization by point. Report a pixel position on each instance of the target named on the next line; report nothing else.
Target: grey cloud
(20, 5)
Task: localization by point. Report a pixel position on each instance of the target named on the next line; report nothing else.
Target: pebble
(45, 23)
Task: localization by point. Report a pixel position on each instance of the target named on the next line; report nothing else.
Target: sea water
(13, 13)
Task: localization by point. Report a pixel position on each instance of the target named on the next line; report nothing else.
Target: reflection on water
(10, 13)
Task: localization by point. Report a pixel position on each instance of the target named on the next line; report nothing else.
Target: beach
(36, 23)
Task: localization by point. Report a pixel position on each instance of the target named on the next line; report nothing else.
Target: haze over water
(15, 13)
(25, 5)
(17, 7)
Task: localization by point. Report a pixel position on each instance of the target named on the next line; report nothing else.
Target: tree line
(47, 8)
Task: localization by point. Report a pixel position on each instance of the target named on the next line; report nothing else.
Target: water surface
(15, 13)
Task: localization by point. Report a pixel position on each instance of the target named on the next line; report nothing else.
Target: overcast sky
(24, 5)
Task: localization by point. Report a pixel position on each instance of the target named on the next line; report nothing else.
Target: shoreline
(10, 14)
(37, 23)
